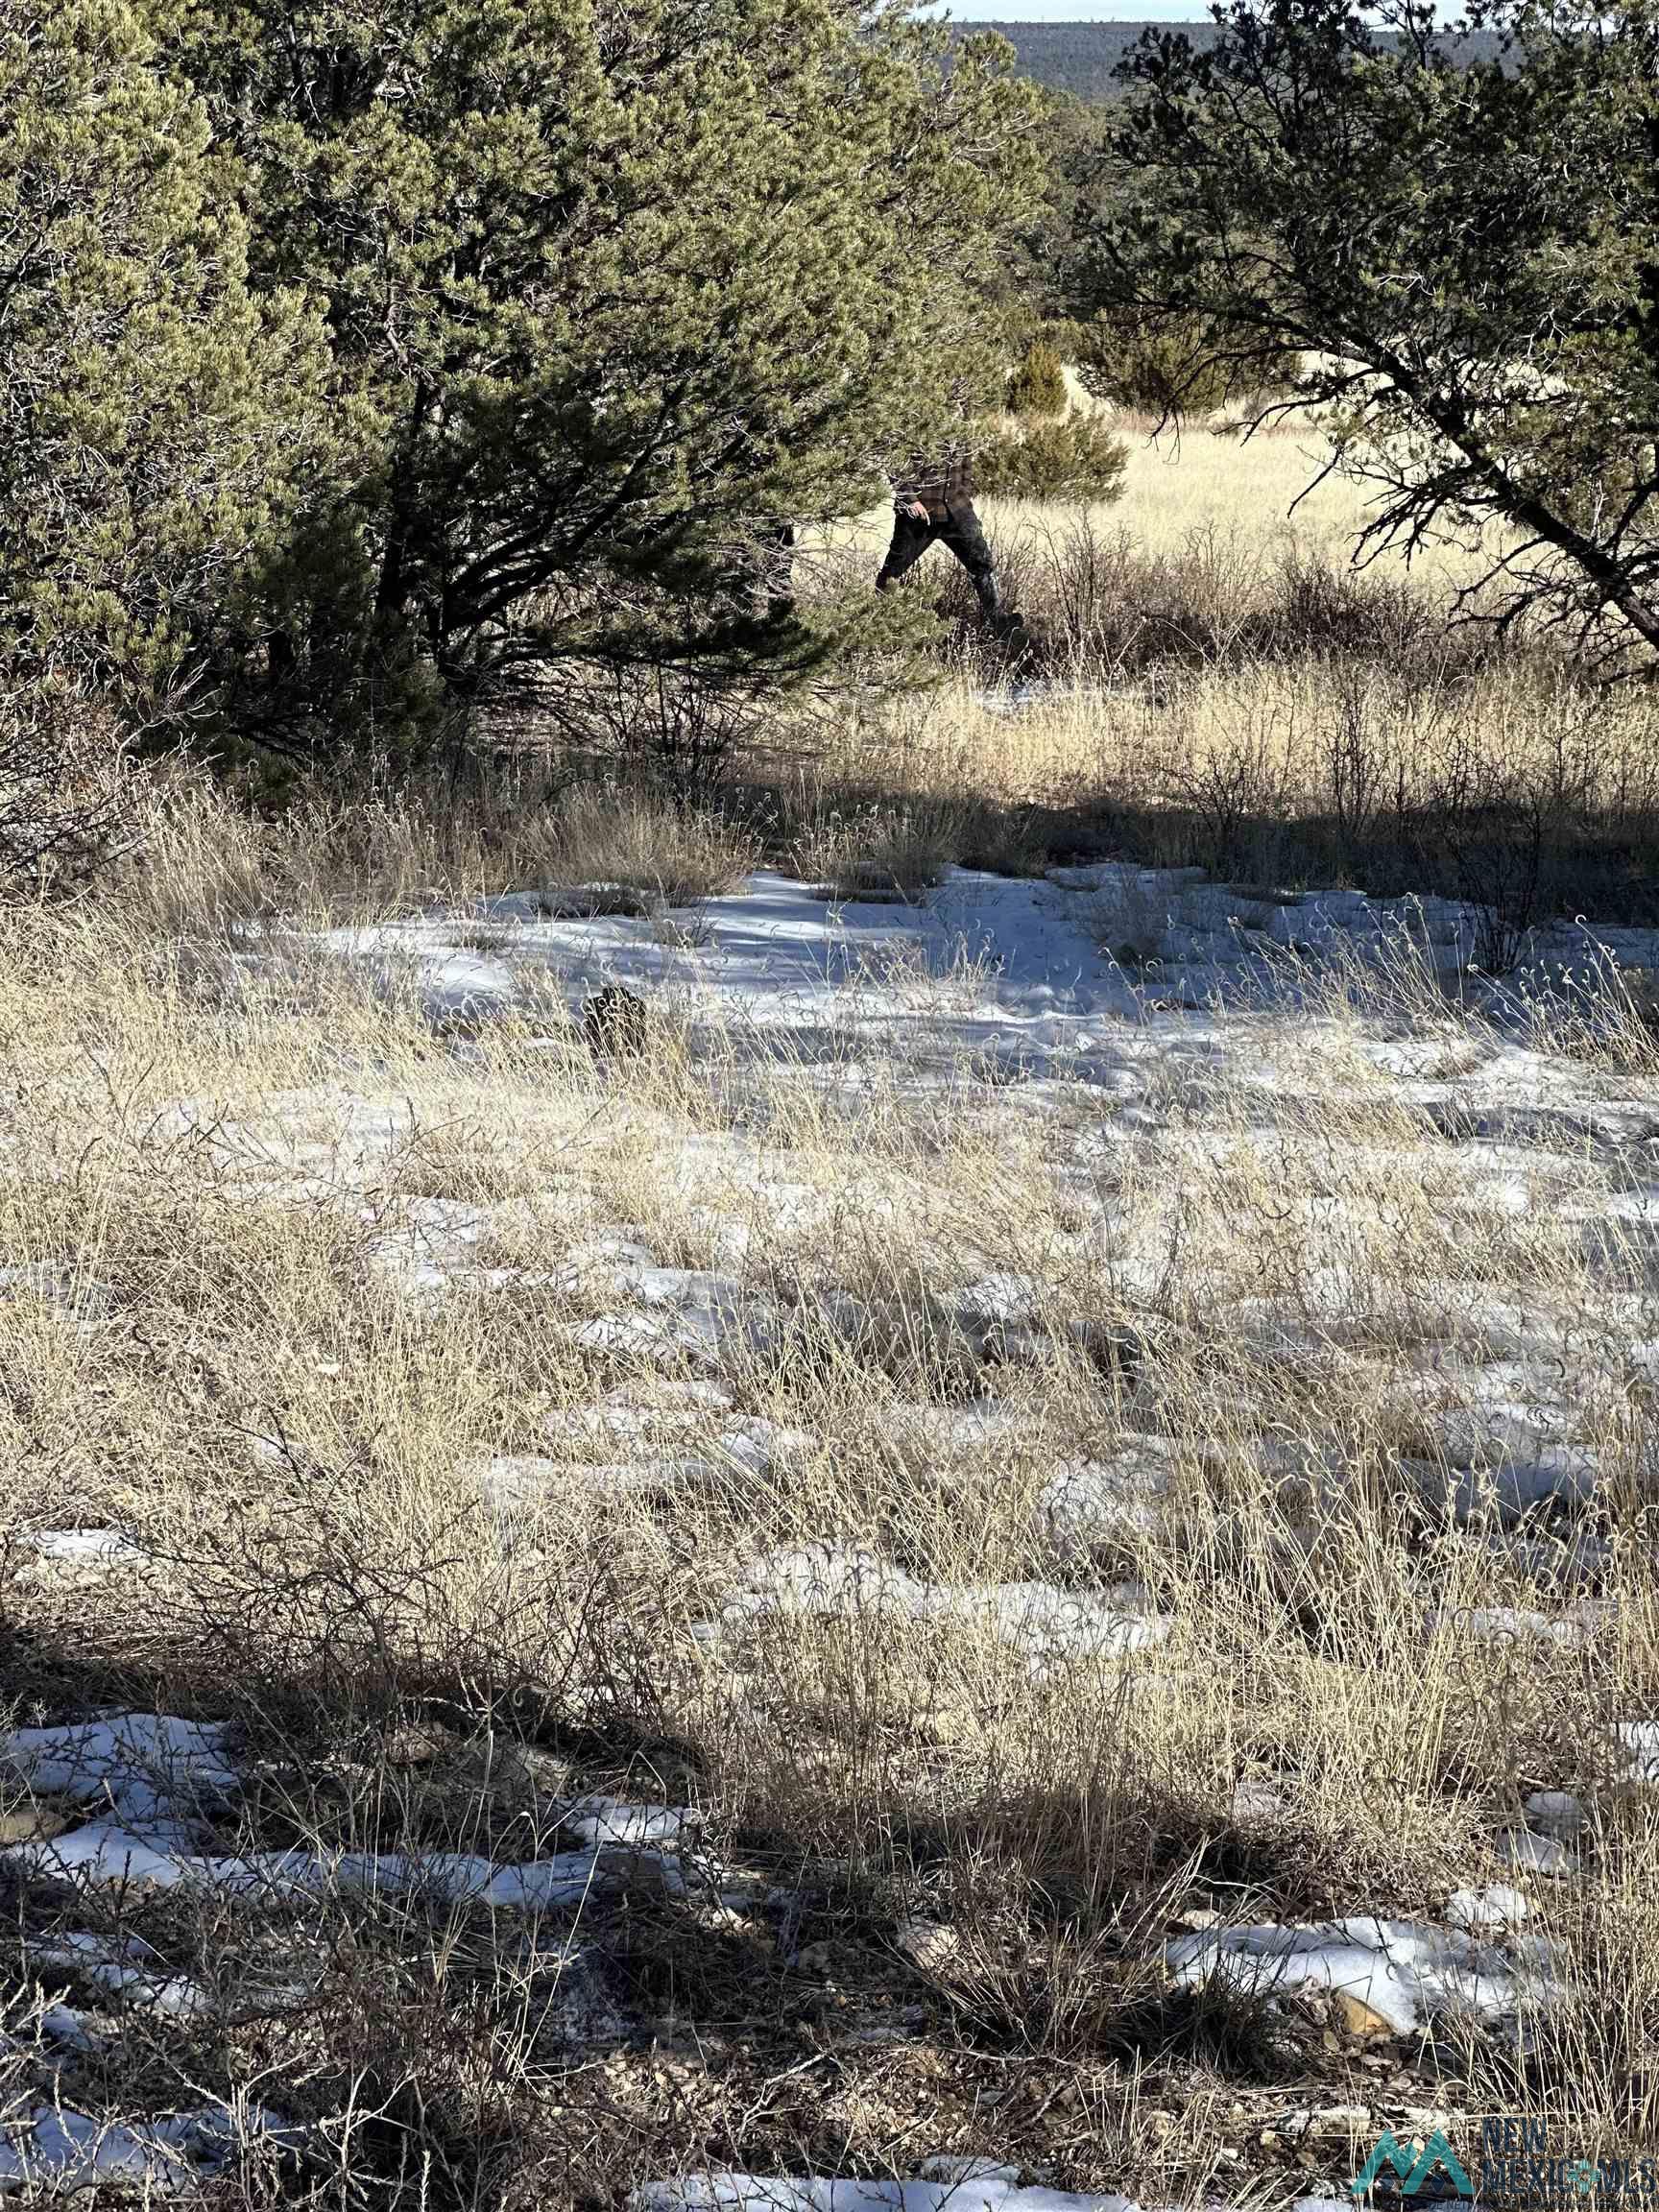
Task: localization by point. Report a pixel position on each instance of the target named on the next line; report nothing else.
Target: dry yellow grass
(1262, 493)
(453, 1514)
(1213, 682)
(235, 1358)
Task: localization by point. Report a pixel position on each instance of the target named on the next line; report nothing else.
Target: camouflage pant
(953, 525)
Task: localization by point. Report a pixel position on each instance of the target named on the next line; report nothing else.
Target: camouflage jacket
(940, 479)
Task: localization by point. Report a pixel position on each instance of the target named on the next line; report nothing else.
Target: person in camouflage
(933, 504)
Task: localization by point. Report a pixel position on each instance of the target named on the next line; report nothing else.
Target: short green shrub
(1075, 458)
(1168, 369)
(1037, 388)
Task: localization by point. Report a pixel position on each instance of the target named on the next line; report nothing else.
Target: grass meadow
(1009, 1536)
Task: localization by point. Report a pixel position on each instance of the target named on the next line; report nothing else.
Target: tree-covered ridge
(1083, 59)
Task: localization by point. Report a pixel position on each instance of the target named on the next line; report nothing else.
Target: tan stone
(929, 1945)
(1359, 2020)
(31, 1824)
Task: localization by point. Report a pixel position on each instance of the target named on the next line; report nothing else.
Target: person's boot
(1007, 625)
(1017, 640)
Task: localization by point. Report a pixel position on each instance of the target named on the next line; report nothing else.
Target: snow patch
(54, 2149)
(1496, 1907)
(1049, 1623)
(93, 1547)
(1639, 1742)
(1088, 1505)
(956, 2185)
(1522, 1625)
(102, 1853)
(151, 1767)
(130, 1971)
(1556, 1813)
(1534, 1853)
(1403, 1972)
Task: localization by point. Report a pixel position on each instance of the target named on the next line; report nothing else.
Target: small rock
(1496, 1906)
(1357, 2019)
(1536, 1854)
(1198, 1918)
(929, 1944)
(1339, 2119)
(31, 1824)
(1556, 1813)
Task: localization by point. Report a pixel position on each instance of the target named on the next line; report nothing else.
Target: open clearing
(998, 1544)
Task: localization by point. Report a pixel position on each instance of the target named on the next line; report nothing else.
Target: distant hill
(1082, 57)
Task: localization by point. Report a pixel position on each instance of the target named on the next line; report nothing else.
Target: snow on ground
(128, 1970)
(1638, 1743)
(50, 2149)
(1034, 965)
(1120, 979)
(945, 2185)
(158, 1774)
(84, 1546)
(102, 1853)
(155, 1771)
(1402, 1972)
(1052, 1625)
(1111, 978)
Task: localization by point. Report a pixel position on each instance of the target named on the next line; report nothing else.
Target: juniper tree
(1038, 385)
(1454, 256)
(611, 291)
(152, 411)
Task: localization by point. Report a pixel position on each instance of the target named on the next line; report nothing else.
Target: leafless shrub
(68, 800)
(678, 728)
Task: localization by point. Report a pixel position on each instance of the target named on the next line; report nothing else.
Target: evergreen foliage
(609, 293)
(1075, 457)
(154, 414)
(1456, 264)
(1037, 387)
